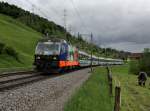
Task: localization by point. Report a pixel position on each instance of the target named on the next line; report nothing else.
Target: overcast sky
(120, 24)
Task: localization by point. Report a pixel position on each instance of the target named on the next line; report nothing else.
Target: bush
(2, 45)
(141, 65)
(144, 63)
(12, 52)
(134, 67)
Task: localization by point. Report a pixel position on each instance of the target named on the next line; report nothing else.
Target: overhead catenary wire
(37, 8)
(79, 16)
(46, 12)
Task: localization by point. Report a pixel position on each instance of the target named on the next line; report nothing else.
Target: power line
(78, 14)
(45, 12)
(36, 7)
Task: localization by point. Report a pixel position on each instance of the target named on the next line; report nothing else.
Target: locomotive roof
(83, 53)
(52, 40)
(101, 58)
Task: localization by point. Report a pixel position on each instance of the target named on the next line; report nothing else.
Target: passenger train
(56, 55)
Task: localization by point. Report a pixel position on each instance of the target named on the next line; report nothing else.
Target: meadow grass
(134, 97)
(22, 38)
(93, 94)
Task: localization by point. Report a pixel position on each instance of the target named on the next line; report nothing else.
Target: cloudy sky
(120, 24)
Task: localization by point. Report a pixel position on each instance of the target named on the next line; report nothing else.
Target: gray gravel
(47, 95)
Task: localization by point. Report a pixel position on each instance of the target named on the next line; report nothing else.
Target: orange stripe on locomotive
(63, 64)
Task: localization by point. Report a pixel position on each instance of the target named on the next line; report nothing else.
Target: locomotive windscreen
(47, 48)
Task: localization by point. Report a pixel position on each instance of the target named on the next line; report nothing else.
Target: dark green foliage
(12, 52)
(8, 50)
(141, 65)
(2, 45)
(144, 63)
(134, 67)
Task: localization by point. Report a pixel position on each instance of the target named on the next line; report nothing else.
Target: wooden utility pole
(109, 74)
(117, 98)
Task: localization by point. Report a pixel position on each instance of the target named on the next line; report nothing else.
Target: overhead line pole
(91, 53)
(65, 22)
(91, 39)
(65, 15)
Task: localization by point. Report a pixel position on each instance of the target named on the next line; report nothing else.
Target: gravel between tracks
(47, 95)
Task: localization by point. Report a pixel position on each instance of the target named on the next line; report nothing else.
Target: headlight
(54, 58)
(38, 57)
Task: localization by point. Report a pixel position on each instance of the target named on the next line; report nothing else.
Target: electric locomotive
(55, 55)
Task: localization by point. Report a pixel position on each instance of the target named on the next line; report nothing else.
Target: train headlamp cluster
(54, 58)
(50, 57)
(38, 57)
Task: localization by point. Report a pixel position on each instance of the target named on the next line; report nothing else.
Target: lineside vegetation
(141, 65)
(93, 95)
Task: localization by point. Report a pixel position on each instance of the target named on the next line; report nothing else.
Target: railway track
(9, 81)
(12, 80)
(16, 73)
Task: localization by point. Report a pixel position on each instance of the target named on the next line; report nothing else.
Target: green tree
(144, 63)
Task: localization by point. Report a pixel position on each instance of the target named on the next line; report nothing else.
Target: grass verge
(93, 95)
(21, 38)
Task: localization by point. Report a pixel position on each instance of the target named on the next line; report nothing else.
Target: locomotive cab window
(47, 47)
(63, 49)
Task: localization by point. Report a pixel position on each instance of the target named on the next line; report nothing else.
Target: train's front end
(47, 56)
